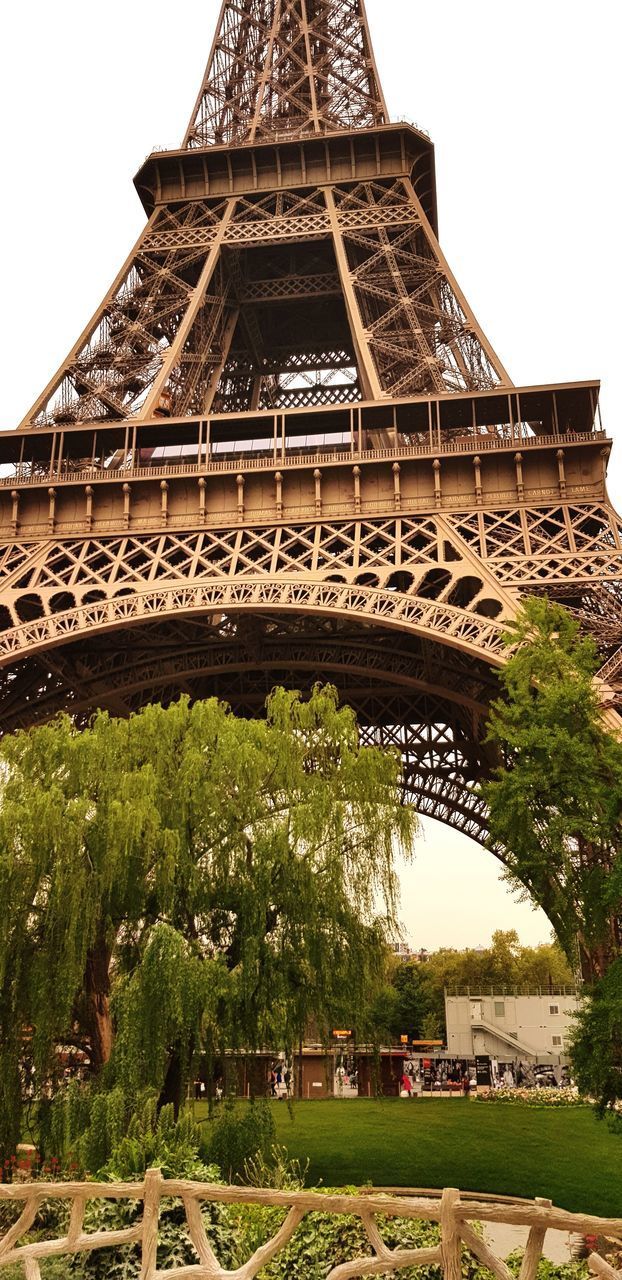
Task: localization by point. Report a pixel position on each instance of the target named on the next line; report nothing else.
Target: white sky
(522, 100)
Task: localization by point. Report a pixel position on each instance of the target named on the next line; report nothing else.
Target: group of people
(345, 1076)
(280, 1080)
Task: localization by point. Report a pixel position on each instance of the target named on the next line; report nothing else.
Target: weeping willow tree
(186, 879)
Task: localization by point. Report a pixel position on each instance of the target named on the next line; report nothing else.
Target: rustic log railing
(453, 1212)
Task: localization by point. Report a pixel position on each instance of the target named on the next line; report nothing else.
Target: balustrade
(24, 474)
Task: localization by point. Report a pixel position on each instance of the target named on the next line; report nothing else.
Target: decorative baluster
(278, 492)
(560, 455)
(317, 476)
(520, 487)
(477, 464)
(52, 510)
(397, 491)
(438, 497)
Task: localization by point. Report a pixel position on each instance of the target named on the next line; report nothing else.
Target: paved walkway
(504, 1240)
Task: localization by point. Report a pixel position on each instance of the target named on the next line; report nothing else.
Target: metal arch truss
(117, 621)
(287, 66)
(393, 609)
(230, 305)
(413, 572)
(442, 769)
(474, 561)
(416, 695)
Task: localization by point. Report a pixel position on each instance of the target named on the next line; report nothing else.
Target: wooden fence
(453, 1212)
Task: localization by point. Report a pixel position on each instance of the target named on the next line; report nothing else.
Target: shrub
(85, 1121)
(239, 1134)
(153, 1141)
(551, 1270)
(174, 1246)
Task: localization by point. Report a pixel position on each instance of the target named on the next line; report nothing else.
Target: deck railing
(124, 468)
(454, 1212)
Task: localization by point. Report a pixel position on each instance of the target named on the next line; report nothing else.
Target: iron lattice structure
(300, 66)
(284, 450)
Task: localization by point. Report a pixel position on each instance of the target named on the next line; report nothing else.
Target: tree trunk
(596, 958)
(97, 1003)
(172, 1089)
(177, 1076)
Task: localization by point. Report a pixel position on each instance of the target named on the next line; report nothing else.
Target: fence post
(533, 1249)
(151, 1215)
(451, 1251)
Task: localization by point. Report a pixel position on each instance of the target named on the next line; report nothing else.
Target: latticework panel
(531, 548)
(421, 334)
(280, 66)
(413, 557)
(159, 326)
(220, 300)
(464, 561)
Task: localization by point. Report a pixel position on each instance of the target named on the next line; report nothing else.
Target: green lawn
(567, 1154)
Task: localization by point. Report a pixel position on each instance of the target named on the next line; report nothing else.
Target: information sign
(483, 1074)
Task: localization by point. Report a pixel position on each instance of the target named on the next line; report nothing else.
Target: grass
(566, 1155)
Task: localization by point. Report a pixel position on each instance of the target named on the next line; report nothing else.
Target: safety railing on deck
(123, 468)
(455, 1214)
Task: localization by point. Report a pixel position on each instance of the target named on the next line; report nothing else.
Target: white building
(528, 1027)
(401, 951)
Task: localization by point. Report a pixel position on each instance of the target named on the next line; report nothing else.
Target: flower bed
(567, 1097)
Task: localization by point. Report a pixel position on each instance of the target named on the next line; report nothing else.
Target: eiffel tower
(284, 449)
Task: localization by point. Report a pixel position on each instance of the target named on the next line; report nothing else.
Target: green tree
(597, 1045)
(411, 1004)
(187, 879)
(555, 804)
(544, 966)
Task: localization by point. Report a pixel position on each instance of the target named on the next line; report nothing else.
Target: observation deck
(522, 445)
